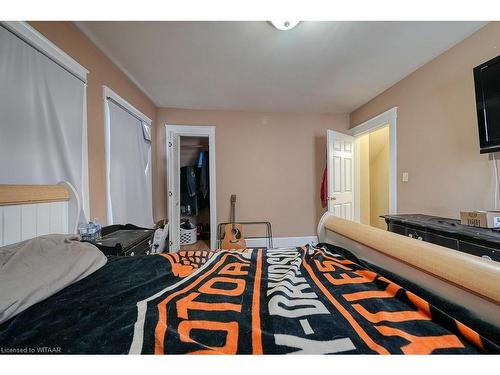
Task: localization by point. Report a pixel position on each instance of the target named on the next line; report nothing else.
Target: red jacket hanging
(324, 189)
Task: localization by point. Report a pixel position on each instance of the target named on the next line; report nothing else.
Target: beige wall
(374, 176)
(437, 131)
(273, 162)
(101, 72)
(379, 176)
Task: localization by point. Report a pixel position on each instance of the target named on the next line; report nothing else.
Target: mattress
(317, 300)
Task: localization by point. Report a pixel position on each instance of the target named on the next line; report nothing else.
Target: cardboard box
(483, 219)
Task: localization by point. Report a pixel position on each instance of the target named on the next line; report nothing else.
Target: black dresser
(127, 240)
(447, 232)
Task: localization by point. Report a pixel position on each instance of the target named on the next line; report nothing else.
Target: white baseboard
(282, 241)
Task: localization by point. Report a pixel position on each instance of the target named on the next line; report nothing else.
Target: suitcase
(125, 240)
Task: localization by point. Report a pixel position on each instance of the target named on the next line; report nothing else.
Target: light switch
(405, 176)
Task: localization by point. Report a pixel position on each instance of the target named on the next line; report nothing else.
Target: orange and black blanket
(293, 300)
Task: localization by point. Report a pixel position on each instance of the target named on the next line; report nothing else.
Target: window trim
(43, 45)
(31, 36)
(108, 94)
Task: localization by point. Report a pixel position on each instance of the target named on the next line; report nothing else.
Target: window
(128, 163)
(43, 132)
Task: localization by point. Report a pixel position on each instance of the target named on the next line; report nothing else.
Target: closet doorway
(361, 170)
(191, 187)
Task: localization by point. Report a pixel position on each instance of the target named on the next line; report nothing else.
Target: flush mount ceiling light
(284, 25)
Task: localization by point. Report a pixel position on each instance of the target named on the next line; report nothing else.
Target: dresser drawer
(142, 248)
(495, 255)
(395, 228)
(448, 233)
(416, 234)
(478, 250)
(437, 239)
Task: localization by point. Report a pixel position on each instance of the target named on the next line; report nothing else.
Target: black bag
(126, 239)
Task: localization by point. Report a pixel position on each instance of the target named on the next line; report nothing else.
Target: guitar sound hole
(236, 233)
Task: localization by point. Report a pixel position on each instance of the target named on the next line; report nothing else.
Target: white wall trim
(31, 36)
(85, 205)
(110, 94)
(388, 117)
(196, 131)
(282, 241)
(192, 130)
(357, 178)
(107, 158)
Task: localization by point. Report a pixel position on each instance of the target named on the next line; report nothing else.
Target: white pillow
(33, 270)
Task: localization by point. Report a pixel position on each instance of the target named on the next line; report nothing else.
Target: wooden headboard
(28, 211)
(29, 194)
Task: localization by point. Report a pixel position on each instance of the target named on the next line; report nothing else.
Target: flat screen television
(487, 83)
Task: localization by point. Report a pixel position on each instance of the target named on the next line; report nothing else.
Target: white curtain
(128, 158)
(41, 118)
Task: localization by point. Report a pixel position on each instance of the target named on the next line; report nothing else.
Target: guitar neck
(233, 210)
(233, 214)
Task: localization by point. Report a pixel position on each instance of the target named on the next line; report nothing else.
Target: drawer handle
(486, 257)
(416, 236)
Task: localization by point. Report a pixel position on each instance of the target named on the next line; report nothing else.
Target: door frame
(387, 118)
(194, 131)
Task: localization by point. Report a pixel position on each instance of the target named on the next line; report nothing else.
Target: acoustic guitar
(233, 235)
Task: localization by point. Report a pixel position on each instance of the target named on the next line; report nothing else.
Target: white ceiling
(322, 67)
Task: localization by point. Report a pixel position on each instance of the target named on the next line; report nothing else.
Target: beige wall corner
(273, 162)
(437, 131)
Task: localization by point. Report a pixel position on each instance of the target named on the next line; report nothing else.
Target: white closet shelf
(194, 147)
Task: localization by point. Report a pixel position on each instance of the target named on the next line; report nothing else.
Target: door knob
(332, 198)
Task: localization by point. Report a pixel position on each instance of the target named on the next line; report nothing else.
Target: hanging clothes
(195, 183)
(203, 180)
(189, 189)
(324, 189)
(203, 173)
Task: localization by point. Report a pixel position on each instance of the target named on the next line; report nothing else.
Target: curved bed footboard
(460, 278)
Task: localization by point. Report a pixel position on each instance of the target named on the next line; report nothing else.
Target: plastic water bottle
(97, 228)
(90, 231)
(83, 230)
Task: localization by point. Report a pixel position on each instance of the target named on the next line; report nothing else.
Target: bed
(324, 299)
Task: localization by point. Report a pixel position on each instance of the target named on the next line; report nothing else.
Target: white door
(340, 171)
(173, 164)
